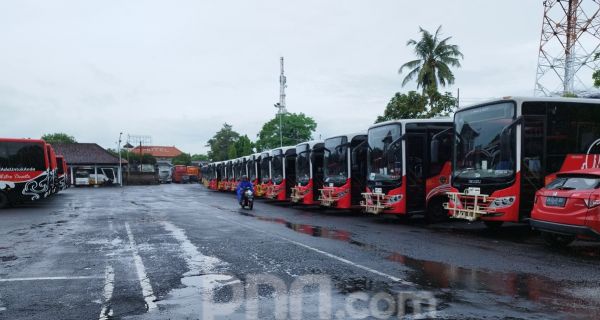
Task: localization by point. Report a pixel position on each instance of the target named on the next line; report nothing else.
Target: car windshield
(264, 168)
(303, 164)
(384, 160)
(335, 161)
(277, 167)
(574, 182)
(485, 144)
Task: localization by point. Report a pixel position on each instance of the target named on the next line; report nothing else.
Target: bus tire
(557, 240)
(493, 225)
(436, 212)
(4, 203)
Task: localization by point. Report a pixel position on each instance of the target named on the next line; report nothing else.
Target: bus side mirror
(433, 152)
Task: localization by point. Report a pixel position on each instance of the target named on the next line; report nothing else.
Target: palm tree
(433, 64)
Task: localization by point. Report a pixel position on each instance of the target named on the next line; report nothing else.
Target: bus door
(416, 146)
(358, 169)
(533, 148)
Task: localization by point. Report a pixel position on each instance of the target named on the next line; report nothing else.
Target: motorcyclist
(243, 185)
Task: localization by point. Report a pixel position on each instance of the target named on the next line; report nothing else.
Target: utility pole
(569, 41)
(281, 104)
(120, 161)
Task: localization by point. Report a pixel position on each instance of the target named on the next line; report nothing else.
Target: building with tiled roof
(161, 153)
(89, 163)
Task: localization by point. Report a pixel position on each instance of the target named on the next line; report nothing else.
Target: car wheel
(436, 212)
(493, 225)
(557, 240)
(3, 201)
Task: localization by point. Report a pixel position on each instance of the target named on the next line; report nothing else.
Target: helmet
(244, 178)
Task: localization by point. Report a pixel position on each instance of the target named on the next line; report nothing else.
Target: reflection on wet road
(181, 251)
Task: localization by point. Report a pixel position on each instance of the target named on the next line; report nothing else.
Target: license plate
(378, 190)
(555, 201)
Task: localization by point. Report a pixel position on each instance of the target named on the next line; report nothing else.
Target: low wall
(140, 178)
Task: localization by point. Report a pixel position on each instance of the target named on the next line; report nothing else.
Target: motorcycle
(247, 198)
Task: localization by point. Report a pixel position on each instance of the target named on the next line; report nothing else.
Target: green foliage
(596, 74)
(296, 128)
(244, 146)
(231, 152)
(414, 106)
(58, 137)
(182, 159)
(569, 95)
(200, 157)
(434, 58)
(220, 143)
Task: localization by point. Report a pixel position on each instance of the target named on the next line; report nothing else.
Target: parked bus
(62, 173)
(283, 173)
(253, 169)
(230, 175)
(408, 166)
(265, 174)
(309, 172)
(344, 171)
(239, 170)
(53, 177)
(222, 175)
(180, 174)
(194, 173)
(506, 150)
(24, 171)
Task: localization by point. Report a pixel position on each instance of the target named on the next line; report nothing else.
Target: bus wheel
(3, 200)
(493, 225)
(557, 240)
(436, 212)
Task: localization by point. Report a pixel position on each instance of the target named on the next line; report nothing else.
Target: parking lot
(182, 251)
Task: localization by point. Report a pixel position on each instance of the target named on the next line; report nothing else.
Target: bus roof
(405, 121)
(311, 143)
(349, 136)
(22, 140)
(520, 99)
(285, 149)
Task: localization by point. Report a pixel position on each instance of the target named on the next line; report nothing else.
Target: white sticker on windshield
(484, 165)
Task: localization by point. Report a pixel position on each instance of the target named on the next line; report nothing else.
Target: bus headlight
(395, 198)
(502, 202)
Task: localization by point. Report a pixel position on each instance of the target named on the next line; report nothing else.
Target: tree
(58, 137)
(432, 66)
(414, 105)
(200, 157)
(182, 159)
(244, 146)
(219, 144)
(232, 152)
(596, 74)
(296, 128)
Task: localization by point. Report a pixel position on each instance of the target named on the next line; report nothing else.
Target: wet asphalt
(185, 252)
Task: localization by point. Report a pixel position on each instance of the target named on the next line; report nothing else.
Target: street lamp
(120, 161)
(128, 146)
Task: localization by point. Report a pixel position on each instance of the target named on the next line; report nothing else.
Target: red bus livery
(344, 171)
(309, 172)
(408, 168)
(506, 150)
(25, 170)
(265, 174)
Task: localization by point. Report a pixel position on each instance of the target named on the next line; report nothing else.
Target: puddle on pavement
(564, 296)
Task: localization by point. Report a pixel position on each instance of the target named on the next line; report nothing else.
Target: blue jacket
(241, 187)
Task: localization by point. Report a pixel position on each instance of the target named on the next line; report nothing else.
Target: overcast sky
(177, 70)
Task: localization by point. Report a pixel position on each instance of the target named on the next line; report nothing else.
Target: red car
(569, 207)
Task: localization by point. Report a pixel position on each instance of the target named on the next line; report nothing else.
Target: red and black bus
(62, 174)
(408, 166)
(309, 172)
(344, 171)
(506, 150)
(25, 169)
(253, 169)
(283, 173)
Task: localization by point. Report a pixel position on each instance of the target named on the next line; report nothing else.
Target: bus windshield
(303, 164)
(264, 168)
(251, 170)
(277, 167)
(485, 144)
(21, 156)
(335, 161)
(384, 161)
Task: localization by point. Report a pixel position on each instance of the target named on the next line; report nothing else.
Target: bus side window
(444, 154)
